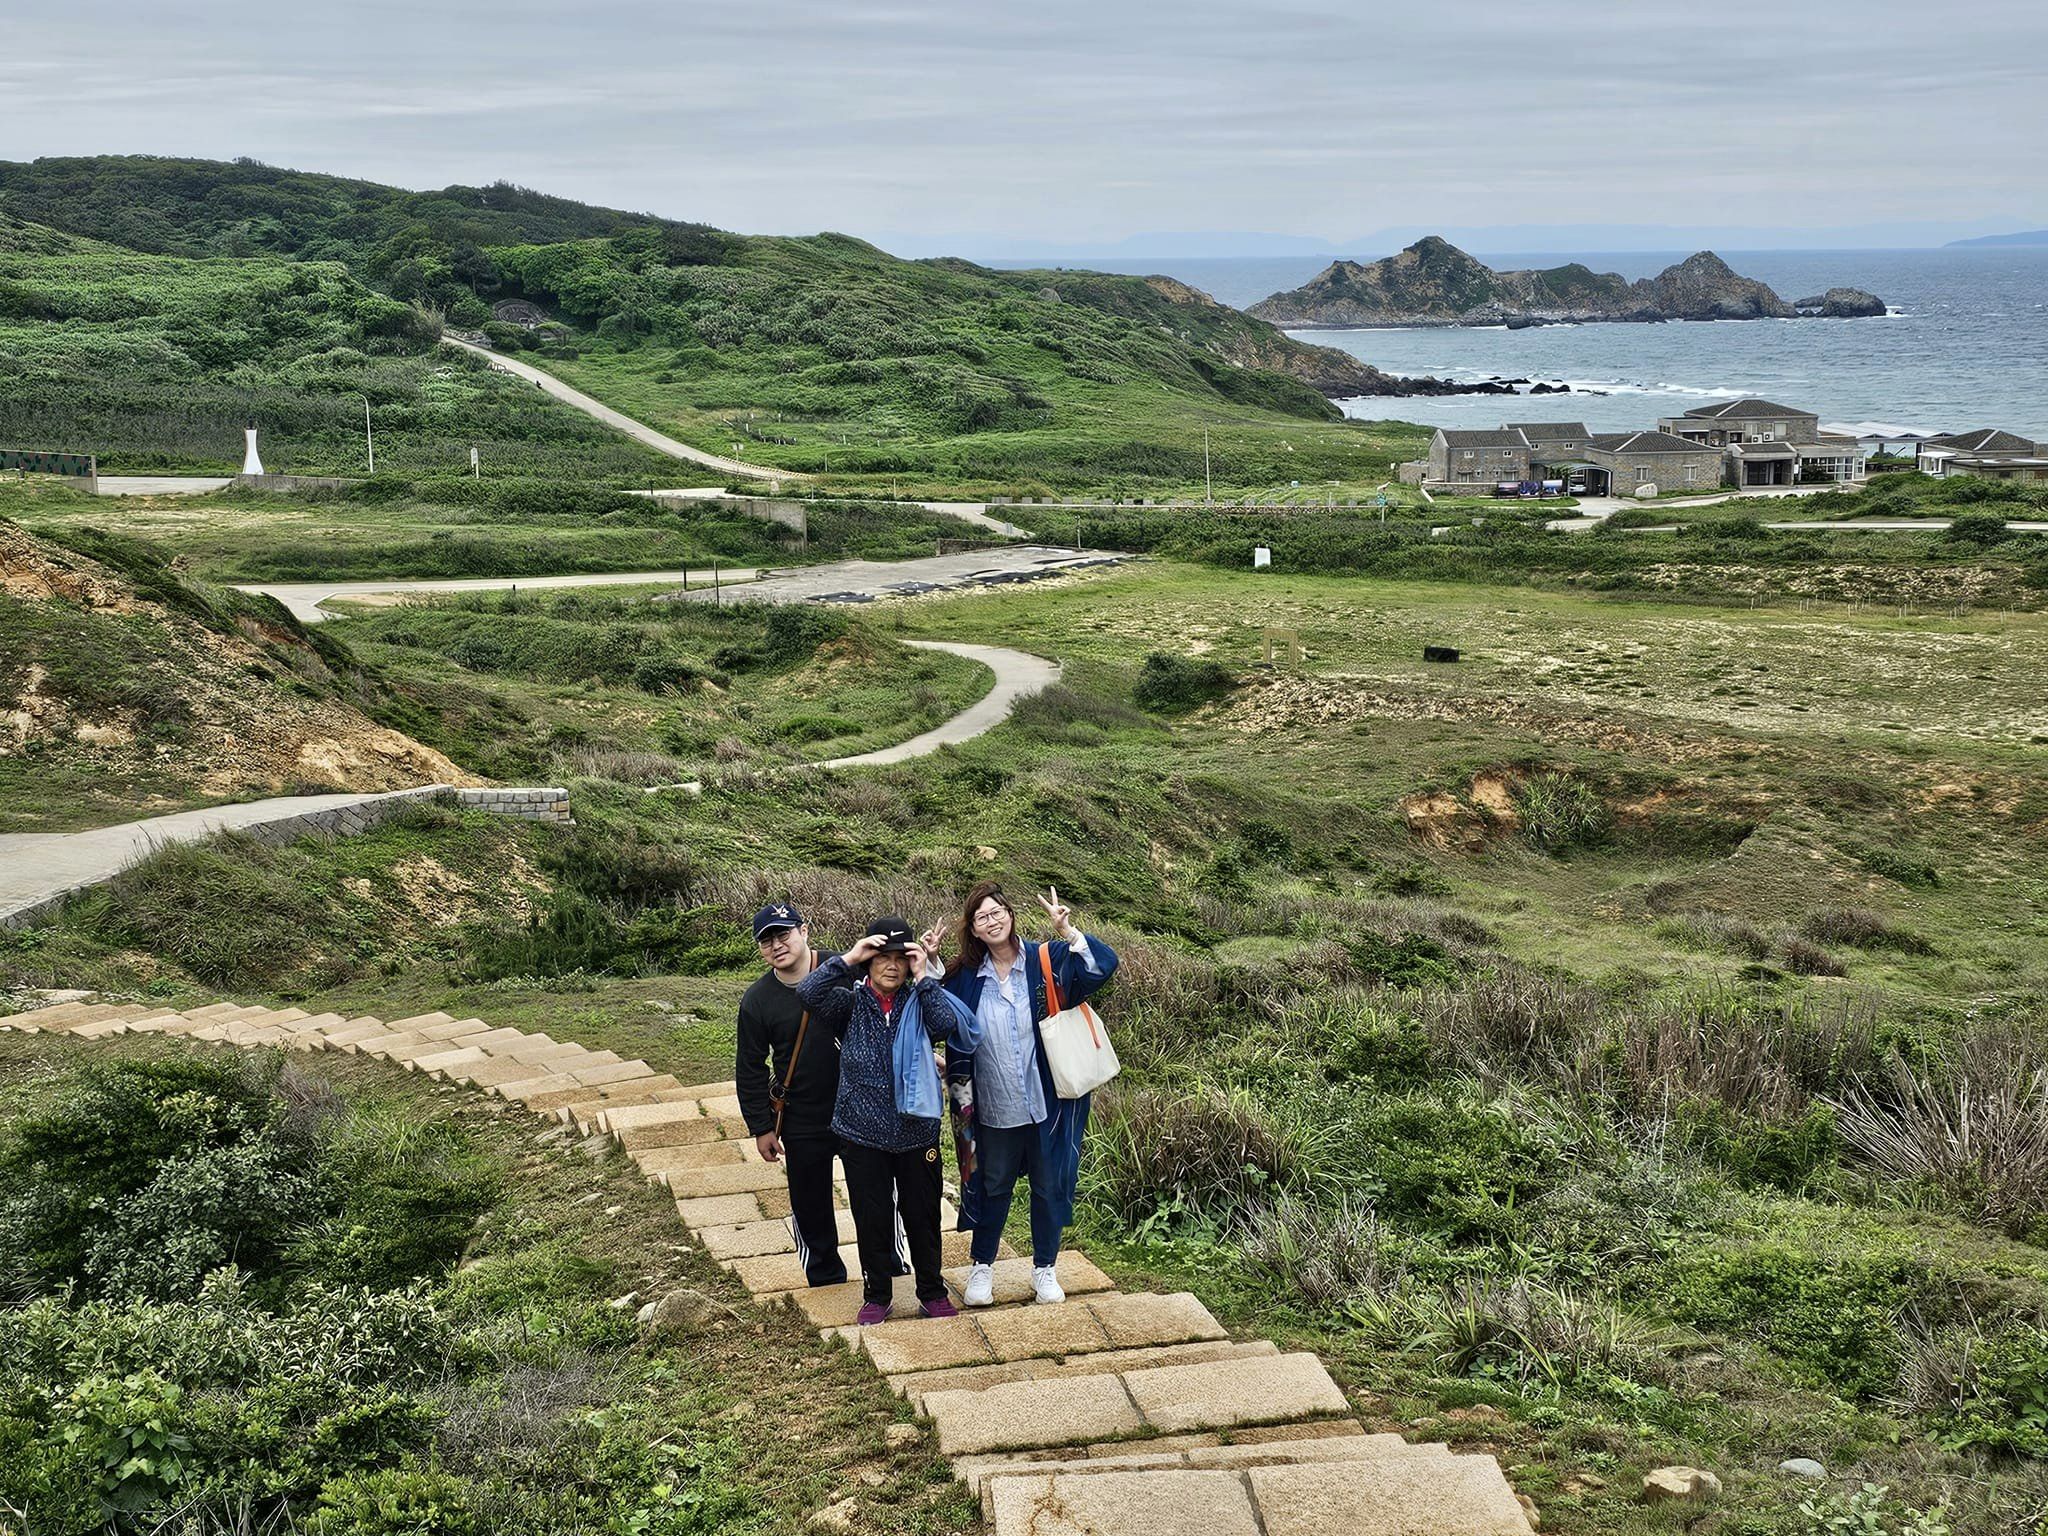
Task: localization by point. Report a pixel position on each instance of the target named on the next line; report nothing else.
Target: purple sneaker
(939, 1306)
(871, 1313)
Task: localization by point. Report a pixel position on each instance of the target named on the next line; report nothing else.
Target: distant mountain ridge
(2020, 237)
(1432, 282)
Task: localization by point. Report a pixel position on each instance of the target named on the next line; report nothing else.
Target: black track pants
(807, 1164)
(880, 1186)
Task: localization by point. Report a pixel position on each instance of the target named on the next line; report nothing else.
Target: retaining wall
(295, 482)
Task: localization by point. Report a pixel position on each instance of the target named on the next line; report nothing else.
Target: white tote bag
(1076, 1045)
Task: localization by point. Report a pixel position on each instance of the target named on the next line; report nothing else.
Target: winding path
(37, 869)
(639, 431)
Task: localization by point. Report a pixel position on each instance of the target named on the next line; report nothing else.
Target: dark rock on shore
(1435, 283)
(1842, 304)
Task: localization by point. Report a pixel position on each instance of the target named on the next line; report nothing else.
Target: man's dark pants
(807, 1165)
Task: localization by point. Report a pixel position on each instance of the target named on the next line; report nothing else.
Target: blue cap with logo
(779, 915)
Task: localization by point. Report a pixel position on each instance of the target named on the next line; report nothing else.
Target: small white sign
(1261, 558)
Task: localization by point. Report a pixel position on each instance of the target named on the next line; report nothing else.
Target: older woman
(1021, 1125)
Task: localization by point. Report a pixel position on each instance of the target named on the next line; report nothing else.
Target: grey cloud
(1078, 119)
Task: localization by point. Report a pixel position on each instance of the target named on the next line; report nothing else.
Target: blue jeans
(1002, 1154)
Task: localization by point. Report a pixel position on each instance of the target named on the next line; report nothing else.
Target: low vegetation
(245, 1294)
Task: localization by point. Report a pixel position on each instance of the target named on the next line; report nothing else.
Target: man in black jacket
(800, 1137)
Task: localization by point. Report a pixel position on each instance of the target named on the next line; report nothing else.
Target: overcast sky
(1057, 121)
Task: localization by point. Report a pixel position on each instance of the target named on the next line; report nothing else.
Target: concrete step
(695, 1183)
(53, 1016)
(834, 1306)
(775, 1274)
(587, 1115)
(1076, 1327)
(1402, 1495)
(654, 1161)
(918, 1385)
(651, 1127)
(1219, 1394)
(1282, 1447)
(1323, 1440)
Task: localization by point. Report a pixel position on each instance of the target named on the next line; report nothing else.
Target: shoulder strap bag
(1076, 1045)
(778, 1094)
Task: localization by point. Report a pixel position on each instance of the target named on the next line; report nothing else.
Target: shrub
(1871, 1511)
(1971, 1124)
(1803, 957)
(1173, 685)
(1979, 528)
(1325, 1254)
(1560, 813)
(1515, 1329)
(1862, 929)
(1213, 1153)
(1997, 1397)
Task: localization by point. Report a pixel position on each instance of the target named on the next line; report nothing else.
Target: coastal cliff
(1434, 283)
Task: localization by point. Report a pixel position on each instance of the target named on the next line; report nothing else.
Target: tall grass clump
(1212, 1154)
(1970, 1125)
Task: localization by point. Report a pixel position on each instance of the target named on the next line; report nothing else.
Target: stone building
(1766, 444)
(1629, 461)
(1553, 442)
(1476, 461)
(1986, 452)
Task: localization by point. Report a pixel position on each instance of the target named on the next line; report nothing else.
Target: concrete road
(1017, 676)
(304, 598)
(160, 485)
(35, 866)
(661, 442)
(865, 581)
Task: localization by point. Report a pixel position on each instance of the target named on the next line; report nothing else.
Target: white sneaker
(981, 1286)
(1045, 1285)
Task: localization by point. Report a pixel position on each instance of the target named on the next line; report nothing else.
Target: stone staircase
(1109, 1414)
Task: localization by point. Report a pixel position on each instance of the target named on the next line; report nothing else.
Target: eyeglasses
(992, 914)
(774, 936)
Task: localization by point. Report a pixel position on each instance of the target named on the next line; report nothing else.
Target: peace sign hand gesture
(1061, 915)
(931, 939)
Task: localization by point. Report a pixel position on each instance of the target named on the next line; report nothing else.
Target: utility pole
(369, 443)
(1208, 483)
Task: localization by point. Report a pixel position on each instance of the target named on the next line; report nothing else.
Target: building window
(1691, 473)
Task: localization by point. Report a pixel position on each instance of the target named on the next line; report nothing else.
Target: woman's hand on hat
(918, 961)
(865, 949)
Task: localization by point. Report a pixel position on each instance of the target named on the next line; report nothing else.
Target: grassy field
(414, 529)
(1562, 1042)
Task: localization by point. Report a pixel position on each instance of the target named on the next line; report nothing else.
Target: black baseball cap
(894, 932)
(780, 915)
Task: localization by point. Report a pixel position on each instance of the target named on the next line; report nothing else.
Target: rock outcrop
(1435, 283)
(1842, 304)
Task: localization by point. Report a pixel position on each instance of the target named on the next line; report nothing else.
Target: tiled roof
(1505, 438)
(1984, 440)
(1534, 429)
(1646, 442)
(1744, 410)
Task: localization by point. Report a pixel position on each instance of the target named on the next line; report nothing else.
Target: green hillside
(828, 355)
(821, 353)
(157, 362)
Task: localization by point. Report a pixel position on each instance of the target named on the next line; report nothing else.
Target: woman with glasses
(1021, 1125)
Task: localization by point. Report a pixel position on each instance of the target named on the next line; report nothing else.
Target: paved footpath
(639, 431)
(1108, 1414)
(1018, 675)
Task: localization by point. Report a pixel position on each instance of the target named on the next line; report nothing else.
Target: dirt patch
(223, 710)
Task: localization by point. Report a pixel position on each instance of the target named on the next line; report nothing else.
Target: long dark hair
(972, 950)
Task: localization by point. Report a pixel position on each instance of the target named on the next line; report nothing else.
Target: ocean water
(1966, 345)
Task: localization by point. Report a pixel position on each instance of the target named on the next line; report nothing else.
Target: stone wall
(295, 482)
(1666, 471)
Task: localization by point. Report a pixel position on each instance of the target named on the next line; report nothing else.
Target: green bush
(1835, 1319)
(1173, 685)
(2000, 1399)
(1978, 528)
(1560, 813)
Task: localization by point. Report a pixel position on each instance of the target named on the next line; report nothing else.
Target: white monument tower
(251, 464)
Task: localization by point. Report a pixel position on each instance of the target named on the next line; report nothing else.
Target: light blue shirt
(1008, 1090)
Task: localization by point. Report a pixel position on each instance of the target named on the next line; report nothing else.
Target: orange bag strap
(1052, 995)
